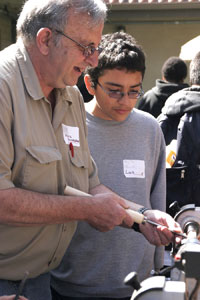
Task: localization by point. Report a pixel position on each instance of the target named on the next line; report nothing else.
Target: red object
(71, 147)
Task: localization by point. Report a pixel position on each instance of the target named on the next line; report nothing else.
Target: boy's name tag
(134, 168)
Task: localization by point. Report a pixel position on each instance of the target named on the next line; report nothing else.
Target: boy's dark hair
(119, 51)
(174, 70)
(195, 70)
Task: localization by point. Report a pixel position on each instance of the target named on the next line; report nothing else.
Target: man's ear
(43, 38)
(89, 85)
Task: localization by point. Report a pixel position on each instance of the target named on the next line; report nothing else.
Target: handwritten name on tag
(134, 168)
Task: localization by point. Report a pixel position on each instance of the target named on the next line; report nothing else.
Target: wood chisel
(141, 219)
(136, 216)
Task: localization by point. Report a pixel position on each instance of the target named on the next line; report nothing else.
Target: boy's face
(109, 108)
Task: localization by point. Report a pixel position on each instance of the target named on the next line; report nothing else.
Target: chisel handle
(136, 217)
(70, 191)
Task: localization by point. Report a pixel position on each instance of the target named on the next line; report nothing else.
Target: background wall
(5, 31)
(161, 33)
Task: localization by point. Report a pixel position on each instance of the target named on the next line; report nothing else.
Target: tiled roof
(149, 1)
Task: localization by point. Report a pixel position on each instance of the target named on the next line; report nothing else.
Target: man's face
(109, 108)
(66, 60)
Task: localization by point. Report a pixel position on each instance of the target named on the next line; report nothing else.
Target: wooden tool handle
(70, 191)
(136, 216)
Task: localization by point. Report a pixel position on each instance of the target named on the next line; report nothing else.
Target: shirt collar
(28, 73)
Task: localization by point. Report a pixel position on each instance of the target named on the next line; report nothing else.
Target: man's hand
(107, 211)
(160, 235)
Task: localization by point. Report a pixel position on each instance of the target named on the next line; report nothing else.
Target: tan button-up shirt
(34, 155)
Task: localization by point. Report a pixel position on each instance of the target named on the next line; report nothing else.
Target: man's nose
(92, 60)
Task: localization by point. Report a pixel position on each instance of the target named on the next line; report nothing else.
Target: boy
(129, 150)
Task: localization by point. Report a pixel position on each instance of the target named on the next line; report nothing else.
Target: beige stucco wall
(159, 41)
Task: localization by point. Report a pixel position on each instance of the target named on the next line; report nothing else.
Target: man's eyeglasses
(87, 50)
(119, 95)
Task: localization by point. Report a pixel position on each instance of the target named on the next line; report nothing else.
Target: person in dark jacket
(174, 72)
(180, 120)
(184, 101)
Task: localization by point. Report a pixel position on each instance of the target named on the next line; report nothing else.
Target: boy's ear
(89, 84)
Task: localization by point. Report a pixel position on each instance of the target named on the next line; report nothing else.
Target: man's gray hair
(53, 14)
(195, 70)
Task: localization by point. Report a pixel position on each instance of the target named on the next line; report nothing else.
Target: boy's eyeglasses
(119, 95)
(87, 50)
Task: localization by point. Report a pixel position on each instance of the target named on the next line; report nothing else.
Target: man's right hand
(107, 211)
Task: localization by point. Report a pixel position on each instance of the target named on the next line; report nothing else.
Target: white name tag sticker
(71, 135)
(134, 168)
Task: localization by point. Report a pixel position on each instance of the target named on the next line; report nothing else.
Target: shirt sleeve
(6, 132)
(158, 191)
(93, 172)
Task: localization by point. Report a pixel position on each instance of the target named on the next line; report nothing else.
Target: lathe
(184, 280)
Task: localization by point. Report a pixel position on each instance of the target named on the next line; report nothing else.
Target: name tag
(71, 135)
(134, 168)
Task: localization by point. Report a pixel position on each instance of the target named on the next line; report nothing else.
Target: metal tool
(141, 219)
(174, 232)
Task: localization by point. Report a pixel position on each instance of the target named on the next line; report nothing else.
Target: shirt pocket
(40, 169)
(79, 169)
